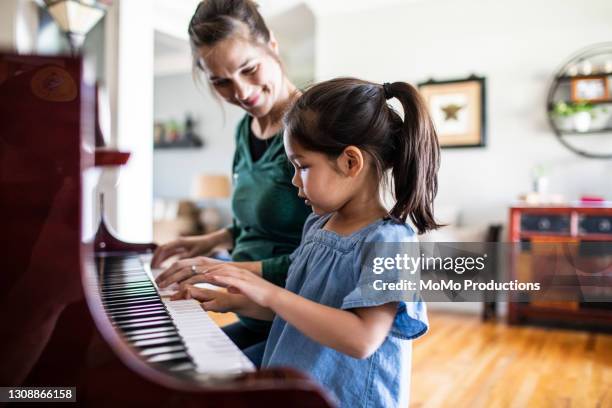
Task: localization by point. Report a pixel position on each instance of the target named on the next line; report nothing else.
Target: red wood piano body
(53, 331)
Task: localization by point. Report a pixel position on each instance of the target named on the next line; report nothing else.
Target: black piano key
(178, 366)
(161, 350)
(160, 318)
(111, 304)
(127, 316)
(128, 285)
(131, 301)
(159, 341)
(142, 325)
(128, 291)
(138, 308)
(138, 313)
(151, 330)
(147, 336)
(168, 357)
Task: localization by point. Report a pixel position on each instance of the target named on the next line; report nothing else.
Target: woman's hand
(187, 271)
(240, 280)
(188, 247)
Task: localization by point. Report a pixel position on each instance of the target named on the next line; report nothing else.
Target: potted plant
(575, 115)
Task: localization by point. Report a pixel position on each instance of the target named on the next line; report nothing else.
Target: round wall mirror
(579, 102)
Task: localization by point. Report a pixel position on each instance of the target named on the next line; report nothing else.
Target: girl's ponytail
(416, 159)
(343, 112)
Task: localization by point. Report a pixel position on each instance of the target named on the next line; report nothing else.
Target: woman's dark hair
(343, 112)
(216, 20)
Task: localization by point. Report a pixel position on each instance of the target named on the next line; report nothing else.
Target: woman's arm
(188, 247)
(358, 332)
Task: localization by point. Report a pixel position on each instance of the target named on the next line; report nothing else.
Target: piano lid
(58, 328)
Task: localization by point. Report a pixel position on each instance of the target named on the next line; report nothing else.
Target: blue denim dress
(327, 268)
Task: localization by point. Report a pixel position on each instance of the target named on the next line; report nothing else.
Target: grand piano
(81, 310)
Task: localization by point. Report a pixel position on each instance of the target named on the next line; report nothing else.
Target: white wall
(130, 78)
(175, 169)
(517, 45)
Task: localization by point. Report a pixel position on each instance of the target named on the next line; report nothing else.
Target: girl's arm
(357, 333)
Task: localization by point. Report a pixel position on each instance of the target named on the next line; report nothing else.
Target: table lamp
(208, 188)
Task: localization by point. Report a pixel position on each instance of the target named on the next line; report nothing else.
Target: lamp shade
(208, 186)
(76, 16)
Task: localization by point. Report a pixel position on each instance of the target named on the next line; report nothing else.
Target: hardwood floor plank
(463, 362)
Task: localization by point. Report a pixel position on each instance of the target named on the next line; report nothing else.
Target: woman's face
(244, 74)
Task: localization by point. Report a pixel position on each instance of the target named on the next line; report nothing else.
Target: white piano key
(212, 351)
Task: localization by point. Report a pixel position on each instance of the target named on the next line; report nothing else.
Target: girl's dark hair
(216, 20)
(343, 112)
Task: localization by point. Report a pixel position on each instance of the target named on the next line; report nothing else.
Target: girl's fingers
(230, 281)
(181, 294)
(202, 294)
(214, 306)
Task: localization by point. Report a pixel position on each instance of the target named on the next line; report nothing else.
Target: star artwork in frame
(457, 110)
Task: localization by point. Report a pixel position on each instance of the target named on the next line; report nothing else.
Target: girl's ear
(351, 161)
(272, 43)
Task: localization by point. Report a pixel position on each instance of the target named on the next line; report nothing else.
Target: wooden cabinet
(578, 226)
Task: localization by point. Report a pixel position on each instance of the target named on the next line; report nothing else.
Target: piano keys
(177, 336)
(83, 311)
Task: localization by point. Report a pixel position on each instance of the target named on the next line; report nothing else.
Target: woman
(237, 53)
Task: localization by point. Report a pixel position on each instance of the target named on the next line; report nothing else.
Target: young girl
(342, 136)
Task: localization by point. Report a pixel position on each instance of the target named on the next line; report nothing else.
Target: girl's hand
(242, 281)
(183, 271)
(212, 300)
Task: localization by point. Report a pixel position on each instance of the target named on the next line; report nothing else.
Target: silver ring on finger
(193, 270)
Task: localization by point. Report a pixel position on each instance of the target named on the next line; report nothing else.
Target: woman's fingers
(176, 272)
(199, 278)
(166, 251)
(182, 270)
(228, 270)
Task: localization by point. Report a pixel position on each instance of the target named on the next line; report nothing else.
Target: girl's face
(318, 180)
(244, 74)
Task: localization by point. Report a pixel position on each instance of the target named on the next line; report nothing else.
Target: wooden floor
(463, 362)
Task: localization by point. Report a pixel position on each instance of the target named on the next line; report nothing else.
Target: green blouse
(268, 214)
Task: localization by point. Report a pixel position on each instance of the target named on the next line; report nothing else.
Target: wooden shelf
(569, 78)
(570, 102)
(589, 132)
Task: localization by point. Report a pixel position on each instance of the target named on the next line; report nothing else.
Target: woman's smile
(251, 102)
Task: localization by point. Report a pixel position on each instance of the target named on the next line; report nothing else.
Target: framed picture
(590, 89)
(457, 108)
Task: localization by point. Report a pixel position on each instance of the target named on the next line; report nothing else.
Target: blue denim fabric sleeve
(411, 317)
